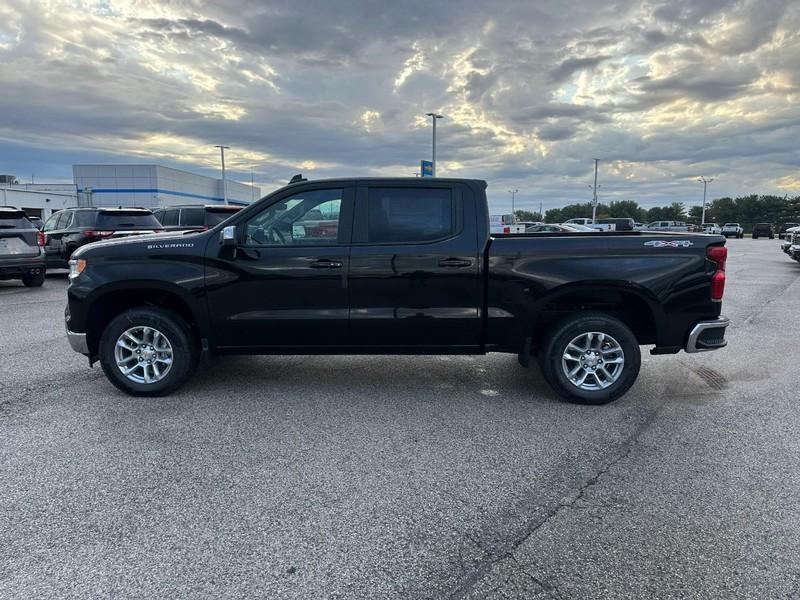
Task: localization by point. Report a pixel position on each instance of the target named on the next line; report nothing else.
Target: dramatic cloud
(531, 92)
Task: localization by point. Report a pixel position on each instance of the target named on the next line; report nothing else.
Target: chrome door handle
(324, 263)
(455, 263)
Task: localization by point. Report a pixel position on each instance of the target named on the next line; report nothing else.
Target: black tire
(562, 333)
(33, 280)
(755, 237)
(184, 347)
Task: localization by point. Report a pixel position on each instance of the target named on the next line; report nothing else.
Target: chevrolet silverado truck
(393, 266)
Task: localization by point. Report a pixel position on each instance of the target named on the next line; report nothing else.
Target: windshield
(127, 220)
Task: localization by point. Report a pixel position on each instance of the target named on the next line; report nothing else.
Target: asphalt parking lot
(406, 477)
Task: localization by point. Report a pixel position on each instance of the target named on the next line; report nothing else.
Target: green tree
(626, 209)
(526, 215)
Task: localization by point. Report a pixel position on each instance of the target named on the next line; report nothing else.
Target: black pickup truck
(394, 266)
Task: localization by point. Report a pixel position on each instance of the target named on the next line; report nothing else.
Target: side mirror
(228, 237)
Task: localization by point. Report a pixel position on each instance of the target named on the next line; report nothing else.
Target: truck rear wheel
(148, 351)
(590, 358)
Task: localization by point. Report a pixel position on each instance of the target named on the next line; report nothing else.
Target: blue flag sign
(426, 168)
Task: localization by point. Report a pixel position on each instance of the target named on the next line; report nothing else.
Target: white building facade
(150, 186)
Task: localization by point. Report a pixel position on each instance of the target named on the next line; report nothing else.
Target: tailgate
(18, 242)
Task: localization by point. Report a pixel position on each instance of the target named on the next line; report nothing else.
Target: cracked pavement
(406, 477)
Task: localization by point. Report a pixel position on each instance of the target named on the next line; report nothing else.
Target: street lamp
(513, 193)
(594, 194)
(434, 116)
(705, 185)
(224, 182)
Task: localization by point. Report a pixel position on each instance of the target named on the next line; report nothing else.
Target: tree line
(745, 210)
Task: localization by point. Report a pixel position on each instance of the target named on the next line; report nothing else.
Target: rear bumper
(14, 268)
(707, 335)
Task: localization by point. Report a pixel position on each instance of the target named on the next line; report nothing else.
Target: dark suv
(763, 230)
(69, 229)
(21, 252)
(193, 216)
(619, 224)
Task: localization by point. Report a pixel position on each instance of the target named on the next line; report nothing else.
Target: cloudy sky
(531, 91)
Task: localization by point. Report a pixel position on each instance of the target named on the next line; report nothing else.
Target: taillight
(40, 239)
(719, 255)
(718, 286)
(506, 229)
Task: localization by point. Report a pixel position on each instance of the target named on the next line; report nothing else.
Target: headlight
(76, 267)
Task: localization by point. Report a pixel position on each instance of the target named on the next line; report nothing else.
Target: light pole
(705, 185)
(434, 117)
(513, 193)
(594, 193)
(224, 182)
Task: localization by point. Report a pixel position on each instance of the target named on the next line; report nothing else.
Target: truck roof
(421, 181)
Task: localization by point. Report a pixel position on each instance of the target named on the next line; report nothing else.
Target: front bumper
(707, 335)
(78, 342)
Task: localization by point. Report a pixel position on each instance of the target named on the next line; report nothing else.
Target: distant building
(39, 199)
(150, 186)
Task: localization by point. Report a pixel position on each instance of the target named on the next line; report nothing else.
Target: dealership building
(148, 186)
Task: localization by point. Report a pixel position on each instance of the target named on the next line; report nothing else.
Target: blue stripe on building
(160, 191)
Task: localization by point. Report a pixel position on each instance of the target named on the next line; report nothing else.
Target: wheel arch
(633, 305)
(109, 301)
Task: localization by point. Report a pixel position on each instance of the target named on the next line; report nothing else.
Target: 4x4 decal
(669, 244)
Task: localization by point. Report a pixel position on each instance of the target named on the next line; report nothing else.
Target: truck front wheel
(148, 351)
(590, 358)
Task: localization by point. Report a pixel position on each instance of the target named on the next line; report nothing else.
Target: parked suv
(786, 227)
(618, 224)
(69, 229)
(763, 230)
(193, 216)
(733, 229)
(21, 252)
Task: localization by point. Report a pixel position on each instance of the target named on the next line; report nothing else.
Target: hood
(145, 243)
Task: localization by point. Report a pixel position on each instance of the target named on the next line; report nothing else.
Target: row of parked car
(791, 241)
(29, 246)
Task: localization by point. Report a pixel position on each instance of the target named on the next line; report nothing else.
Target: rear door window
(64, 219)
(409, 215)
(169, 217)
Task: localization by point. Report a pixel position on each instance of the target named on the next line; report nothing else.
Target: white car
(712, 228)
(791, 238)
(589, 223)
(732, 229)
(670, 226)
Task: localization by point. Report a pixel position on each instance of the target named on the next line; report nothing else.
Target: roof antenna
(297, 178)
